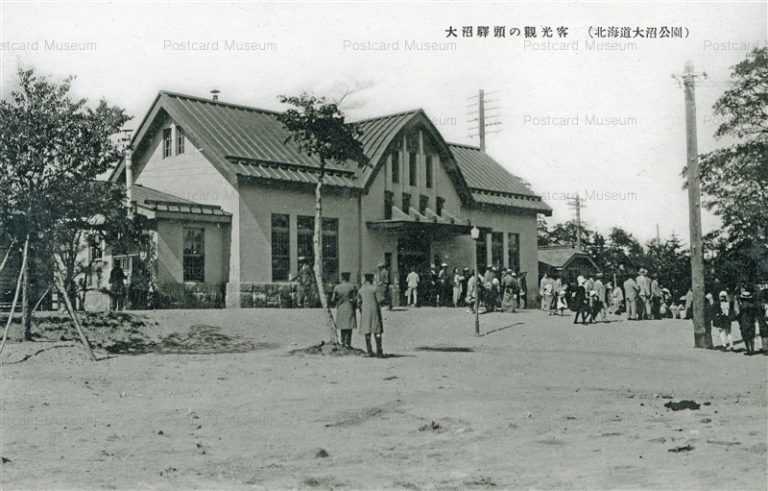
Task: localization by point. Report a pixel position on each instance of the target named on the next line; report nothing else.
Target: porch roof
(429, 220)
(159, 204)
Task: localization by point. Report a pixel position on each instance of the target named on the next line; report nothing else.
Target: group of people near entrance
(589, 297)
(490, 290)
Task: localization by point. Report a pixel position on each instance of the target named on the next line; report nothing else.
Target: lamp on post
(475, 234)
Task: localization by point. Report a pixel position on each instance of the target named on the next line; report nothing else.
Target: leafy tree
(734, 179)
(318, 128)
(52, 149)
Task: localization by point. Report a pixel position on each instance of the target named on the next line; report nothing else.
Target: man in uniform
(370, 315)
(344, 296)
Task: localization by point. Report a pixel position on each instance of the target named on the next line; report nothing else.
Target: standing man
(630, 294)
(370, 315)
(656, 294)
(304, 284)
(442, 286)
(344, 296)
(384, 283)
(599, 289)
(644, 288)
(412, 293)
(117, 286)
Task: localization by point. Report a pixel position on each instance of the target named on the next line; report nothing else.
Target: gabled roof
(561, 256)
(247, 142)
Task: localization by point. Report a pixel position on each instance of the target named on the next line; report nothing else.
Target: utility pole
(702, 339)
(577, 204)
(658, 234)
(484, 116)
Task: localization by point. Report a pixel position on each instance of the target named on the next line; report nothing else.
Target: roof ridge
(399, 113)
(171, 93)
(464, 145)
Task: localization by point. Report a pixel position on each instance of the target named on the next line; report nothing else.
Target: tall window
(439, 205)
(412, 168)
(423, 203)
(395, 167)
(305, 230)
(194, 254)
(388, 202)
(480, 250)
(428, 181)
(514, 251)
(167, 143)
(406, 202)
(330, 244)
(281, 247)
(179, 140)
(497, 249)
(331, 249)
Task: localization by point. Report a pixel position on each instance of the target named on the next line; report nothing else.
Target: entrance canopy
(414, 222)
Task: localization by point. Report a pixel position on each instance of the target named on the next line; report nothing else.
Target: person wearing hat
(465, 274)
(344, 296)
(747, 318)
(644, 291)
(384, 284)
(595, 306)
(580, 301)
(655, 297)
(599, 289)
(371, 322)
(443, 286)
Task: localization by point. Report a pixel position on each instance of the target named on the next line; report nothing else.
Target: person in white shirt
(412, 293)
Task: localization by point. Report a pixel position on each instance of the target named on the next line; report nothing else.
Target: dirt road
(534, 403)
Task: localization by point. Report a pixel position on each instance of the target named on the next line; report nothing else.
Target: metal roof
(159, 201)
(244, 141)
(561, 256)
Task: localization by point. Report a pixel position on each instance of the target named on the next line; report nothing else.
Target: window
(514, 251)
(194, 254)
(388, 202)
(412, 168)
(497, 249)
(331, 249)
(281, 247)
(395, 167)
(304, 235)
(305, 230)
(423, 203)
(428, 181)
(179, 140)
(439, 205)
(480, 250)
(167, 148)
(406, 202)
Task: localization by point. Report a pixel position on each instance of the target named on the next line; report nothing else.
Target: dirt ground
(534, 403)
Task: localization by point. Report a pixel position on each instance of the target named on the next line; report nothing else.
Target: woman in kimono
(510, 288)
(724, 315)
(369, 301)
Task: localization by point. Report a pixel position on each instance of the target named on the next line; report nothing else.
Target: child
(724, 315)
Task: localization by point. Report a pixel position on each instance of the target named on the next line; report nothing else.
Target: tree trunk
(15, 294)
(317, 244)
(26, 314)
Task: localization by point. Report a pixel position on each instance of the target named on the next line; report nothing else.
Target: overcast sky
(606, 121)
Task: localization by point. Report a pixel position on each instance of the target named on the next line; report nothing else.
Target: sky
(603, 118)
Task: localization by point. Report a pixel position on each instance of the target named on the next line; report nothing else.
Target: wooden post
(16, 293)
(70, 310)
(694, 209)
